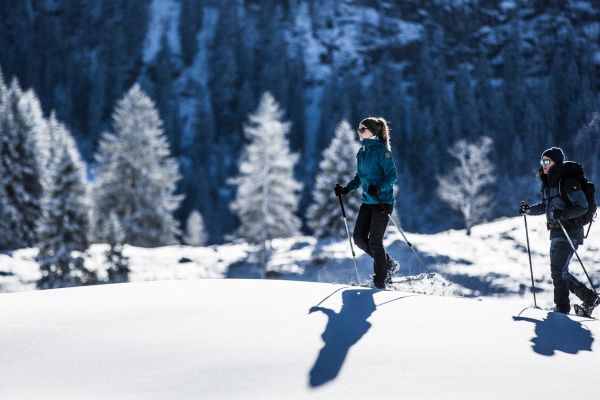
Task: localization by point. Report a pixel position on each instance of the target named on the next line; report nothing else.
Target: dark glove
(373, 190)
(558, 215)
(524, 208)
(340, 190)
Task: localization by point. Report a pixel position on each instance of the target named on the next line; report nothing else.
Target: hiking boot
(392, 267)
(588, 307)
(377, 282)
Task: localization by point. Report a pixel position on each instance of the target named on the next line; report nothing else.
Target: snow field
(258, 339)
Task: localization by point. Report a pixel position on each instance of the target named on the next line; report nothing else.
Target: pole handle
(341, 202)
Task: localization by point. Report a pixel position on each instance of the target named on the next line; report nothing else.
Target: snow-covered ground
(492, 262)
(303, 332)
(265, 339)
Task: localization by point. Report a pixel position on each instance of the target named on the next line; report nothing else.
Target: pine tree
(513, 83)
(136, 177)
(64, 227)
(22, 130)
(466, 107)
(587, 148)
(297, 103)
(97, 106)
(272, 51)
(163, 94)
(332, 109)
(190, 21)
(224, 68)
(386, 89)
(3, 89)
(565, 78)
(4, 204)
(485, 94)
(324, 216)
(267, 193)
(464, 187)
(118, 265)
(196, 233)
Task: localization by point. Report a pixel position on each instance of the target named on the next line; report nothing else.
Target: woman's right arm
(354, 183)
(537, 209)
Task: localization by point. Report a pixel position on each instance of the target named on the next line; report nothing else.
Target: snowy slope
(258, 339)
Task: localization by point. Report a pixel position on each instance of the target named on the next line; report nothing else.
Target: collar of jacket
(555, 174)
(552, 178)
(371, 142)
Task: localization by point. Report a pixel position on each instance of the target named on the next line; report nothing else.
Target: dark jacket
(557, 187)
(375, 167)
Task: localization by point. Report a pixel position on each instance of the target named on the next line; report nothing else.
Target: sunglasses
(545, 162)
(361, 129)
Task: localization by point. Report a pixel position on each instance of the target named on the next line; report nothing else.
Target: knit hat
(371, 125)
(555, 154)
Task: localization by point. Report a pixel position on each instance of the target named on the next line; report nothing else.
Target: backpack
(575, 170)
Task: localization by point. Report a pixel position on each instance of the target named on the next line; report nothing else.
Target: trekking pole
(575, 251)
(409, 244)
(530, 264)
(589, 227)
(349, 239)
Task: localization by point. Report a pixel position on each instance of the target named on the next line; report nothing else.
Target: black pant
(368, 234)
(560, 257)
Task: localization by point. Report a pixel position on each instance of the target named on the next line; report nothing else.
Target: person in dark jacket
(564, 201)
(376, 175)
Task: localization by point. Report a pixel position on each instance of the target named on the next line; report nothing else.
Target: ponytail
(384, 132)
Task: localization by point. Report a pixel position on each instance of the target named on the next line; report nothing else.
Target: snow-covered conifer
(587, 147)
(324, 216)
(196, 233)
(136, 176)
(465, 188)
(267, 193)
(3, 89)
(22, 129)
(118, 264)
(3, 196)
(64, 226)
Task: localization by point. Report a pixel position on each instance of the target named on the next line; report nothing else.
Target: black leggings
(370, 227)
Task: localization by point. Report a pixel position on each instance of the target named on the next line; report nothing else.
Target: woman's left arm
(390, 176)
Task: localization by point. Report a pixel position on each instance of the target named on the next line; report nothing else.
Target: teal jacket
(375, 167)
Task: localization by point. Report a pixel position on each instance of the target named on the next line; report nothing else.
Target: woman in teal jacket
(376, 175)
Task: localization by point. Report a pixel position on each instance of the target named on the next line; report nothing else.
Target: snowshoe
(586, 309)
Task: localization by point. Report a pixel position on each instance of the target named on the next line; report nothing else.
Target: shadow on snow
(558, 332)
(344, 329)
